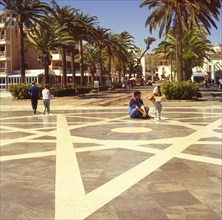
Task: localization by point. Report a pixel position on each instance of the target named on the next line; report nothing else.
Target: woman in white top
(46, 99)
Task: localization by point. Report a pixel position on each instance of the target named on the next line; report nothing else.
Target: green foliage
(84, 89)
(117, 85)
(179, 90)
(20, 91)
(63, 92)
(17, 90)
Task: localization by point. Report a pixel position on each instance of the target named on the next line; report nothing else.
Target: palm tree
(124, 48)
(46, 38)
(91, 55)
(168, 13)
(195, 48)
(83, 30)
(64, 16)
(24, 13)
(148, 42)
(114, 48)
(102, 40)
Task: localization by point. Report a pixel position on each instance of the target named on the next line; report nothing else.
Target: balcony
(2, 53)
(2, 71)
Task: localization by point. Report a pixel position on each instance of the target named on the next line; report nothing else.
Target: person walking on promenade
(158, 107)
(137, 108)
(34, 94)
(46, 96)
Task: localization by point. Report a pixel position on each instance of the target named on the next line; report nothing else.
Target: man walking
(34, 94)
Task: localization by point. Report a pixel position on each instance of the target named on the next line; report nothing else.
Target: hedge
(179, 90)
(21, 91)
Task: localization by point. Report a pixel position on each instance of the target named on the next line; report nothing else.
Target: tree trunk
(188, 70)
(64, 69)
(46, 74)
(109, 66)
(101, 68)
(22, 52)
(81, 63)
(179, 51)
(120, 74)
(73, 68)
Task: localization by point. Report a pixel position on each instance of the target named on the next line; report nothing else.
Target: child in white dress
(158, 107)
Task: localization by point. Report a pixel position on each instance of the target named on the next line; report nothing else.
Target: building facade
(154, 67)
(10, 68)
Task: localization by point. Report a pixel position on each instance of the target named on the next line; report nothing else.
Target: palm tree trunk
(109, 67)
(73, 68)
(64, 69)
(46, 74)
(81, 63)
(188, 70)
(21, 52)
(120, 73)
(101, 68)
(179, 51)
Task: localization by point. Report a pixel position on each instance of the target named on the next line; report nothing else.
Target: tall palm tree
(168, 13)
(84, 30)
(64, 16)
(24, 13)
(125, 46)
(91, 55)
(45, 38)
(102, 40)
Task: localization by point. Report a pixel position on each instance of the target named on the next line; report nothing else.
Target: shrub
(117, 85)
(179, 90)
(63, 92)
(19, 91)
(84, 89)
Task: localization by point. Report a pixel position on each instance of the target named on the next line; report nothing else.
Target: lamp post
(45, 60)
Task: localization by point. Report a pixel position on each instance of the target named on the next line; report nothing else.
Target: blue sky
(126, 15)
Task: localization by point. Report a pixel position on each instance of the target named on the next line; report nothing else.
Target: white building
(212, 68)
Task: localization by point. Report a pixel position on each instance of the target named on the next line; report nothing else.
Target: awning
(199, 74)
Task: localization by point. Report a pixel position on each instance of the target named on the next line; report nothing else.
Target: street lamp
(45, 60)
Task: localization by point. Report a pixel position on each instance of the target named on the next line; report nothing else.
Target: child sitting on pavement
(158, 107)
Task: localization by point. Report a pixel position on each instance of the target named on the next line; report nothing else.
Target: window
(2, 36)
(2, 67)
(2, 51)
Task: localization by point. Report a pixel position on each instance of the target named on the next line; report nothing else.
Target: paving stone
(94, 162)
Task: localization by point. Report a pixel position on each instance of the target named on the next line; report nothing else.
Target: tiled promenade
(86, 161)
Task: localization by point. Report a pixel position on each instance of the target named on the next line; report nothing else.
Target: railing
(2, 53)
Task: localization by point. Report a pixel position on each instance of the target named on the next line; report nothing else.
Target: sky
(126, 15)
